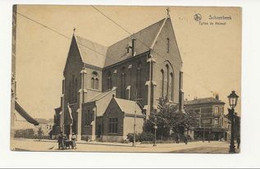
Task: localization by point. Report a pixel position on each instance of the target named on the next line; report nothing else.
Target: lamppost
(233, 97)
(155, 128)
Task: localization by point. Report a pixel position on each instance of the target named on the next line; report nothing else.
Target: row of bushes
(140, 137)
(147, 137)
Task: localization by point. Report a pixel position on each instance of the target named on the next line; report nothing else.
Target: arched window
(172, 85)
(167, 81)
(76, 90)
(96, 83)
(70, 91)
(109, 80)
(139, 80)
(123, 82)
(94, 80)
(162, 79)
(168, 45)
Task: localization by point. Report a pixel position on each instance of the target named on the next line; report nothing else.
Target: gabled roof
(203, 101)
(91, 52)
(102, 95)
(145, 38)
(129, 106)
(98, 55)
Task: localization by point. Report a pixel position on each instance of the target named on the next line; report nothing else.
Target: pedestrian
(73, 139)
(238, 142)
(61, 141)
(185, 139)
(177, 138)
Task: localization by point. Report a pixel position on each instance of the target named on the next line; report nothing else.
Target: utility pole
(203, 132)
(135, 120)
(134, 127)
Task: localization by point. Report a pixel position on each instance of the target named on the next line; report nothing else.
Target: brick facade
(133, 72)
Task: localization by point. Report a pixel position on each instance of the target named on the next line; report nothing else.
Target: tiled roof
(101, 95)
(91, 52)
(98, 55)
(145, 38)
(129, 106)
(203, 101)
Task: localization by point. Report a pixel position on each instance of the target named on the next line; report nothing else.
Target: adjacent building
(135, 71)
(210, 123)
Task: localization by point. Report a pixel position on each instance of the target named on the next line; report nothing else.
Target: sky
(211, 54)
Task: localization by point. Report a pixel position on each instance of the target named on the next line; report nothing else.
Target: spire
(74, 30)
(168, 12)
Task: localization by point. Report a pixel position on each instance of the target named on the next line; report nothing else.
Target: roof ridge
(137, 32)
(77, 36)
(103, 94)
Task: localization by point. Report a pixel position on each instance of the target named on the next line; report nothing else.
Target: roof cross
(168, 11)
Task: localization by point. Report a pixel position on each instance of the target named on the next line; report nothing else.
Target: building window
(109, 80)
(162, 79)
(123, 83)
(216, 121)
(94, 80)
(172, 85)
(167, 81)
(168, 45)
(76, 90)
(139, 80)
(216, 111)
(70, 91)
(113, 125)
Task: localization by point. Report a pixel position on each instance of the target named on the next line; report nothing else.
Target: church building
(106, 89)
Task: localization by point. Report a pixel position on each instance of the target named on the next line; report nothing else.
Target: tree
(167, 118)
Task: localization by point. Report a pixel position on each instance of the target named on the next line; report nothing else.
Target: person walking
(185, 139)
(73, 139)
(61, 141)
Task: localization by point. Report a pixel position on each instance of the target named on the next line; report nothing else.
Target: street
(191, 147)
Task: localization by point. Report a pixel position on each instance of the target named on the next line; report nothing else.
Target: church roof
(102, 95)
(98, 55)
(91, 52)
(144, 40)
(129, 106)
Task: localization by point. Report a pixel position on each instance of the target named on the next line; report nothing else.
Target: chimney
(133, 46)
(217, 96)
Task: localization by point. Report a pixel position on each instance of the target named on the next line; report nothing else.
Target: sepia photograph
(126, 79)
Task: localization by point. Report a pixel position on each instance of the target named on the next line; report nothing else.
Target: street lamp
(155, 128)
(233, 97)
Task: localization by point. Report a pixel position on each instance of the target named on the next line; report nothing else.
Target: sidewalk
(83, 146)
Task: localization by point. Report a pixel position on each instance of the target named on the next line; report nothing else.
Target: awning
(25, 115)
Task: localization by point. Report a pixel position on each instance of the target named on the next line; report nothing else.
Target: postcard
(162, 79)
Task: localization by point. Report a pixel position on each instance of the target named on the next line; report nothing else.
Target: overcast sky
(211, 54)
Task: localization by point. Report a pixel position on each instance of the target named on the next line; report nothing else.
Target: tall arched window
(167, 82)
(70, 91)
(139, 80)
(162, 79)
(123, 83)
(172, 85)
(76, 90)
(94, 80)
(109, 80)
